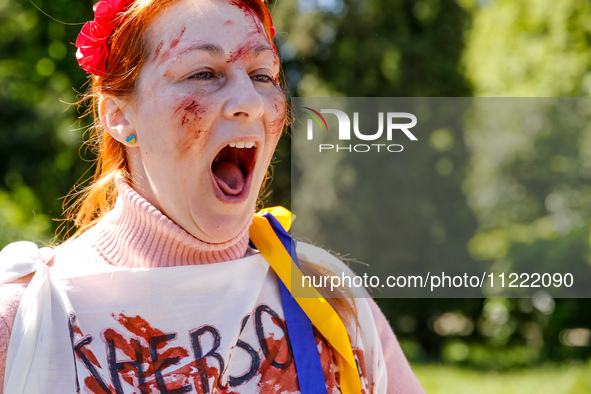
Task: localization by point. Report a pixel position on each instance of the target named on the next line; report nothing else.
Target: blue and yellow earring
(131, 139)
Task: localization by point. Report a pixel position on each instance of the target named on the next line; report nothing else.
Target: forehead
(222, 22)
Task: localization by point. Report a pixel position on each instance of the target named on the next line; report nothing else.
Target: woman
(159, 291)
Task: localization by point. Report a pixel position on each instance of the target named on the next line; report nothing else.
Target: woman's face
(207, 115)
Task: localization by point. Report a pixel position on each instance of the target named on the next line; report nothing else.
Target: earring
(130, 139)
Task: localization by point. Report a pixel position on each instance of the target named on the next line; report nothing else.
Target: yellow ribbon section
(283, 216)
(320, 312)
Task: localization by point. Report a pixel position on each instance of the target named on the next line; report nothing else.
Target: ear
(114, 115)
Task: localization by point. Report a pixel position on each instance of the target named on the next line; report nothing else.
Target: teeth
(242, 144)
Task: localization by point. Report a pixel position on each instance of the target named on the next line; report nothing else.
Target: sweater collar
(135, 234)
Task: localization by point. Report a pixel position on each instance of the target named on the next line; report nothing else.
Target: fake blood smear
(240, 53)
(135, 338)
(158, 49)
(248, 12)
(272, 377)
(167, 54)
(277, 370)
(93, 385)
(192, 111)
(176, 41)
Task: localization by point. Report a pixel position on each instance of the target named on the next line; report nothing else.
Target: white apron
(215, 328)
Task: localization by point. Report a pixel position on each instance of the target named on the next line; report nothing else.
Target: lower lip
(231, 199)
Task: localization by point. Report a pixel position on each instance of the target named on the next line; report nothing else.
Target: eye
(264, 78)
(203, 75)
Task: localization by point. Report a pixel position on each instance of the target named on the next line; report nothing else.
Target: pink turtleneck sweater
(137, 235)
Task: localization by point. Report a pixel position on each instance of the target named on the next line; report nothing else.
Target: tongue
(229, 178)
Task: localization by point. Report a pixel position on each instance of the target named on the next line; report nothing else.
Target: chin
(223, 227)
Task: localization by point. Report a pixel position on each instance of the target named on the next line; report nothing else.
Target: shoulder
(10, 298)
(335, 272)
(72, 253)
(23, 252)
(385, 362)
(18, 262)
(327, 278)
(322, 258)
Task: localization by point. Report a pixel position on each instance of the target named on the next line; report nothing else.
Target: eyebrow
(213, 49)
(257, 50)
(216, 50)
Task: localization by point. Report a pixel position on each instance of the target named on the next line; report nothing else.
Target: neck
(137, 235)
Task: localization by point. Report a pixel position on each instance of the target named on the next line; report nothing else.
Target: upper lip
(243, 138)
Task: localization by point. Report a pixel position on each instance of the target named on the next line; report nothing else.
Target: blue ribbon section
(299, 327)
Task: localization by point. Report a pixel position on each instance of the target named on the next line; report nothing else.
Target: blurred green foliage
(379, 48)
(547, 379)
(360, 48)
(39, 140)
(529, 48)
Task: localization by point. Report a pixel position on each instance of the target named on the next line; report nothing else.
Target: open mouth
(232, 167)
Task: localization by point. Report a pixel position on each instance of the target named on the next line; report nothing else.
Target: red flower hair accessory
(95, 36)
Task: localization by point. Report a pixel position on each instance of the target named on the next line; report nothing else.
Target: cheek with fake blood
(192, 140)
(278, 120)
(188, 115)
(189, 112)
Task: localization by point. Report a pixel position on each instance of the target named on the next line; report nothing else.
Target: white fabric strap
(19, 259)
(33, 317)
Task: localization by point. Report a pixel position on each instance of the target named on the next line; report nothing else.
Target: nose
(243, 101)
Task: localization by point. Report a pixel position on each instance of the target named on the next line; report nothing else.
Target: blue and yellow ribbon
(317, 310)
